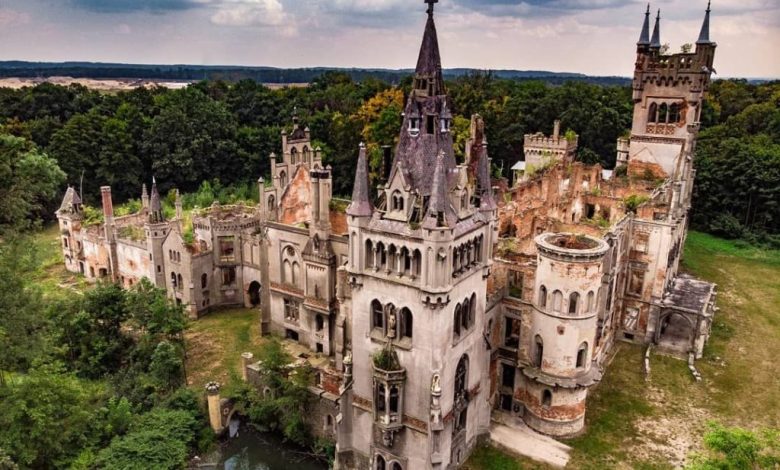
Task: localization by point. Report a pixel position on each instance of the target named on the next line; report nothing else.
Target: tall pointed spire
(361, 199)
(144, 197)
(644, 37)
(656, 41)
(428, 73)
(155, 205)
(704, 35)
(440, 212)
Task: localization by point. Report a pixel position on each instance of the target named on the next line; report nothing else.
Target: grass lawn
(50, 274)
(215, 343)
(657, 424)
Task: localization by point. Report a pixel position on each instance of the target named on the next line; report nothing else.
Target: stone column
(213, 398)
(246, 359)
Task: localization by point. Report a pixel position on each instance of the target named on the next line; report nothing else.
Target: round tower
(564, 324)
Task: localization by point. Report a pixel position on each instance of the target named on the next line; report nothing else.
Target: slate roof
(704, 35)
(70, 200)
(656, 41)
(361, 198)
(644, 37)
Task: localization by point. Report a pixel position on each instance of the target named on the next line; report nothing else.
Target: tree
(45, 417)
(29, 182)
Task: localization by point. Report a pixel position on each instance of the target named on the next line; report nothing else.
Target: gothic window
(287, 272)
(590, 304)
(543, 297)
(305, 154)
(663, 113)
(456, 321)
(226, 249)
(381, 255)
(369, 254)
(380, 463)
(582, 355)
(204, 281)
(271, 203)
(546, 398)
(377, 316)
(417, 262)
(557, 301)
(294, 156)
(407, 325)
(516, 284)
(173, 280)
(320, 323)
(380, 397)
(283, 179)
(179, 281)
(465, 315)
(461, 378)
(430, 124)
(574, 303)
(674, 113)
(652, 115)
(396, 466)
(406, 260)
(398, 201)
(296, 273)
(538, 351)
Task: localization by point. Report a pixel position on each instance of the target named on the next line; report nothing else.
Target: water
(253, 450)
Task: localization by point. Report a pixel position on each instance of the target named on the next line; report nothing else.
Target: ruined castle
(442, 299)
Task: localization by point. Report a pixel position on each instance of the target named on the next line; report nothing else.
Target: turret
(440, 213)
(144, 197)
(655, 43)
(361, 205)
(155, 206)
(644, 36)
(704, 35)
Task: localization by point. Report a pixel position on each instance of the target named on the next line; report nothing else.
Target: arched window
(674, 113)
(473, 308)
(396, 466)
(574, 303)
(294, 156)
(271, 203)
(283, 179)
(407, 325)
(173, 280)
(663, 113)
(287, 275)
(204, 281)
(398, 201)
(178, 279)
(465, 314)
(456, 321)
(417, 264)
(381, 255)
(543, 297)
(591, 299)
(369, 253)
(461, 377)
(538, 351)
(377, 315)
(557, 300)
(380, 463)
(296, 273)
(652, 114)
(305, 154)
(582, 355)
(320, 323)
(546, 398)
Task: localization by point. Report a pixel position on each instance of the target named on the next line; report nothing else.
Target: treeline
(215, 130)
(261, 74)
(737, 189)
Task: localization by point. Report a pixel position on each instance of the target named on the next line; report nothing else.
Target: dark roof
(440, 211)
(155, 205)
(361, 198)
(656, 41)
(70, 200)
(644, 37)
(689, 293)
(429, 60)
(704, 35)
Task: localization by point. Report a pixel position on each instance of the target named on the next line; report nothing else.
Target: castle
(438, 302)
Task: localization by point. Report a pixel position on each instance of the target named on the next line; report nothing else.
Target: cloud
(128, 6)
(251, 13)
(12, 17)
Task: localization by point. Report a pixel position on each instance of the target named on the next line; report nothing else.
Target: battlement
(539, 147)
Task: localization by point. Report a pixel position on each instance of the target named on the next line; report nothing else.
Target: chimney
(108, 205)
(387, 161)
(556, 129)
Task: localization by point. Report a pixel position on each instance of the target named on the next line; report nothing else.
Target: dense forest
(214, 130)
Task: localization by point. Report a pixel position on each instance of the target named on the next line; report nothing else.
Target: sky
(595, 37)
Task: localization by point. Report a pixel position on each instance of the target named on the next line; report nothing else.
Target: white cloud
(250, 13)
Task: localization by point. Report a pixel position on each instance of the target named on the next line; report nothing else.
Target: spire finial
(644, 37)
(704, 35)
(656, 41)
(431, 3)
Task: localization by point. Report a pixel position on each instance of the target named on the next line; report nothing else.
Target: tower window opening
(430, 125)
(546, 398)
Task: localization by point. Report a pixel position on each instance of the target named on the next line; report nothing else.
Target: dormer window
(414, 127)
(398, 201)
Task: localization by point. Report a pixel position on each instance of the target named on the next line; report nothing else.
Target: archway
(254, 293)
(675, 333)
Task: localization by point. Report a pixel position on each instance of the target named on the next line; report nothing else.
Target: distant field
(114, 85)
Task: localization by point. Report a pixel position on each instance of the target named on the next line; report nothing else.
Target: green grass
(740, 368)
(486, 457)
(215, 343)
(50, 274)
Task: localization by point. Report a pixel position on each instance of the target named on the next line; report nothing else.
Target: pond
(254, 450)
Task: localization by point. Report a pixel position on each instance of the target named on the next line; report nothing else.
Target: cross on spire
(431, 3)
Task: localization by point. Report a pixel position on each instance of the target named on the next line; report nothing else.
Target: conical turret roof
(656, 41)
(704, 35)
(361, 198)
(644, 37)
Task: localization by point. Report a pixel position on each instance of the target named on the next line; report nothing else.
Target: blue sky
(590, 36)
